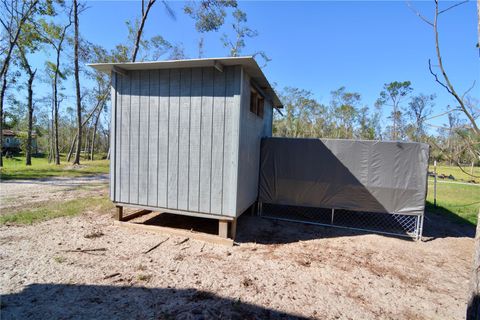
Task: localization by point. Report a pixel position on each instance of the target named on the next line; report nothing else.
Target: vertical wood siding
(153, 138)
(113, 122)
(173, 141)
(232, 138)
(134, 137)
(123, 160)
(184, 139)
(163, 143)
(195, 141)
(252, 130)
(144, 137)
(218, 141)
(206, 141)
(176, 139)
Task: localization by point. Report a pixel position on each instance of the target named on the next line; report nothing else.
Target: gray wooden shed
(185, 135)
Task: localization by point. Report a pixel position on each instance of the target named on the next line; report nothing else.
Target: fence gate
(368, 185)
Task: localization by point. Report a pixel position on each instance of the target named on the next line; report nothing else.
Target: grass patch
(94, 234)
(15, 168)
(144, 277)
(459, 201)
(59, 259)
(457, 173)
(55, 210)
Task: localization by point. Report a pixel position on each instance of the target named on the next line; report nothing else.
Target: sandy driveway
(26, 193)
(279, 270)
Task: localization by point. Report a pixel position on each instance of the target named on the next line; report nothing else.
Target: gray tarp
(371, 176)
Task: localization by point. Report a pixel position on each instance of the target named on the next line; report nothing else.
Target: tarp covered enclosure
(370, 176)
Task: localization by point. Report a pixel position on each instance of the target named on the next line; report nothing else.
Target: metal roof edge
(248, 62)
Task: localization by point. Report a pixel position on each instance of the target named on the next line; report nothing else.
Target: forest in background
(37, 27)
(346, 117)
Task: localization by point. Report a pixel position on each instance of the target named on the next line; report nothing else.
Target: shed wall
(175, 137)
(252, 130)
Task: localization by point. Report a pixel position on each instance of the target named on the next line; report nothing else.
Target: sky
(321, 46)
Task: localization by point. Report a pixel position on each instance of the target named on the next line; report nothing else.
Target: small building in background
(12, 141)
(186, 135)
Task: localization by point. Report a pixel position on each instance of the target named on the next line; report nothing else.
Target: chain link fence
(393, 224)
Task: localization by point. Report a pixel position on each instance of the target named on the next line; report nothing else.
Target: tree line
(398, 114)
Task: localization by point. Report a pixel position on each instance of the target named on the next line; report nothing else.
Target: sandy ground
(27, 193)
(278, 270)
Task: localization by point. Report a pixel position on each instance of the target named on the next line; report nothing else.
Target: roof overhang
(248, 63)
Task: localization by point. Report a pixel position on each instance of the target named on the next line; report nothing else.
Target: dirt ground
(278, 270)
(26, 193)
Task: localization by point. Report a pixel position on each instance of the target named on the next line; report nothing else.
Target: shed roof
(248, 63)
(11, 133)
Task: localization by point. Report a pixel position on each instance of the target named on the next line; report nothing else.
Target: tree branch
(140, 29)
(14, 39)
(453, 6)
(469, 89)
(448, 84)
(436, 77)
(442, 114)
(418, 14)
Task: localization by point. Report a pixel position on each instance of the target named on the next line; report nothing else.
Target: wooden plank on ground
(175, 232)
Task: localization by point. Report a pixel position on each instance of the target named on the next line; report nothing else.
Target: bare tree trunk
(28, 155)
(140, 29)
(448, 85)
(56, 105)
(55, 120)
(77, 85)
(50, 148)
(86, 145)
(2, 95)
(72, 147)
(92, 145)
(52, 133)
(85, 121)
(473, 308)
(31, 77)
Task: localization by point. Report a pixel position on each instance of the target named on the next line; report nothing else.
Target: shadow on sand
(267, 231)
(61, 301)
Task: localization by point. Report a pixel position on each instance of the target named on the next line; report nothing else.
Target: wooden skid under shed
(222, 238)
(176, 232)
